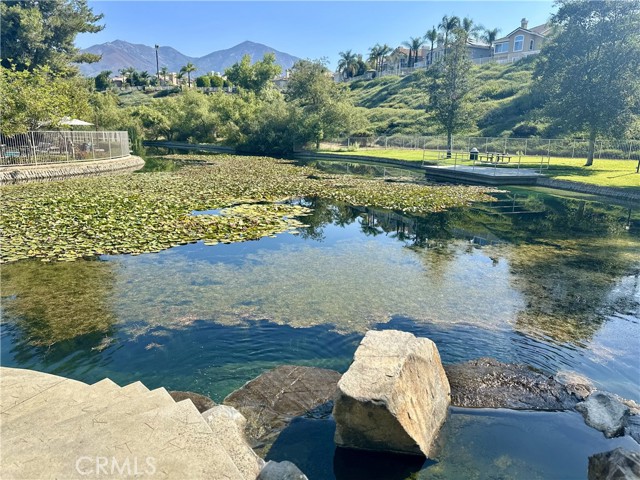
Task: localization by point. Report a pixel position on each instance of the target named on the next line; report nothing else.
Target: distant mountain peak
(119, 54)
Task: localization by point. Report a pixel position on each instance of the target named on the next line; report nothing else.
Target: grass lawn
(603, 172)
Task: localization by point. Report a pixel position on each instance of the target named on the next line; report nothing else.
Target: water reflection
(55, 302)
(528, 277)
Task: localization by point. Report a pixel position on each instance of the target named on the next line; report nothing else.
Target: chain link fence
(40, 147)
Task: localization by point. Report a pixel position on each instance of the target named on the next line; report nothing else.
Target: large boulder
(604, 412)
(201, 402)
(394, 397)
(270, 401)
(618, 464)
(488, 383)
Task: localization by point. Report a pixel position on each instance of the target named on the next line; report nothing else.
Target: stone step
(18, 386)
(61, 401)
(82, 415)
(59, 428)
(173, 441)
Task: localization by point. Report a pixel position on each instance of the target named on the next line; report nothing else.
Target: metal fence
(35, 148)
(526, 147)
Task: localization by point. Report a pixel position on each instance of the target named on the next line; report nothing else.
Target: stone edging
(26, 173)
(620, 193)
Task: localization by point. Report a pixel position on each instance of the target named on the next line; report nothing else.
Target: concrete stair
(52, 427)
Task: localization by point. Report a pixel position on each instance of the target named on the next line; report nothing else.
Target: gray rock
(488, 383)
(394, 397)
(604, 412)
(270, 401)
(633, 428)
(578, 385)
(618, 464)
(202, 402)
(281, 471)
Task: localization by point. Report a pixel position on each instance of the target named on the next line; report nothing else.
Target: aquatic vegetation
(149, 212)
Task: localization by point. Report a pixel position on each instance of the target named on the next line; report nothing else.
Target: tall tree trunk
(592, 147)
(449, 143)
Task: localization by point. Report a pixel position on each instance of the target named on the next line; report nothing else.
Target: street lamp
(157, 65)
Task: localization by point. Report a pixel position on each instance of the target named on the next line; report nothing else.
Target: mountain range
(119, 54)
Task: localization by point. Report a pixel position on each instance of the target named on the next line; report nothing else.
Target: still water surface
(531, 278)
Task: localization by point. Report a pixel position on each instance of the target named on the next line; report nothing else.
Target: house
(477, 51)
(520, 43)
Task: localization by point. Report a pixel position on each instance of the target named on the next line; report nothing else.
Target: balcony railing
(38, 147)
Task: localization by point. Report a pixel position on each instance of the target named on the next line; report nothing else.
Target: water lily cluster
(148, 212)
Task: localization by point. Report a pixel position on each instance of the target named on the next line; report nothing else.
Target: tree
(377, 55)
(102, 80)
(38, 33)
(449, 90)
(127, 74)
(39, 97)
(447, 26)
(432, 37)
(489, 37)
(327, 111)
(414, 45)
(470, 28)
(164, 71)
(255, 78)
(188, 68)
(587, 73)
(348, 64)
(203, 81)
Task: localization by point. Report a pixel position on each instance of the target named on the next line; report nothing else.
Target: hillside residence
(520, 43)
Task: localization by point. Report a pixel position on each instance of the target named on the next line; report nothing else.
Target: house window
(531, 44)
(501, 47)
(518, 43)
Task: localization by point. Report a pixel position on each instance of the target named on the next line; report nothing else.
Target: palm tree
(377, 55)
(374, 55)
(385, 50)
(188, 68)
(414, 44)
(164, 71)
(144, 78)
(470, 28)
(490, 36)
(432, 37)
(448, 25)
(127, 74)
(348, 64)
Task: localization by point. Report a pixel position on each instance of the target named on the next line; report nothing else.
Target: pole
(157, 65)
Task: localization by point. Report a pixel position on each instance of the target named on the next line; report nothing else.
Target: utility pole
(157, 65)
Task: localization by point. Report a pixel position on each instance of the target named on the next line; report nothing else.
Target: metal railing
(538, 147)
(38, 147)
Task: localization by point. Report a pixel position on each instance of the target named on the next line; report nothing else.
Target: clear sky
(301, 28)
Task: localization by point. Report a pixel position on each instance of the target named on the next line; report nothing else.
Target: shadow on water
(473, 443)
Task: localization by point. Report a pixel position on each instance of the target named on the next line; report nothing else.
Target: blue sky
(304, 29)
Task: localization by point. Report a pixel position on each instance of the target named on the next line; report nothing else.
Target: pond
(534, 278)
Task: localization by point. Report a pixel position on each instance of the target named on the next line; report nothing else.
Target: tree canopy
(38, 33)
(588, 74)
(256, 77)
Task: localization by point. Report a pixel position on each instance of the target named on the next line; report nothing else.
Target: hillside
(397, 106)
(120, 54)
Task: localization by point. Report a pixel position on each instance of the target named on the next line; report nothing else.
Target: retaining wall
(57, 171)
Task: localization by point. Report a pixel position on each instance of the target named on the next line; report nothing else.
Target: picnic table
(494, 157)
